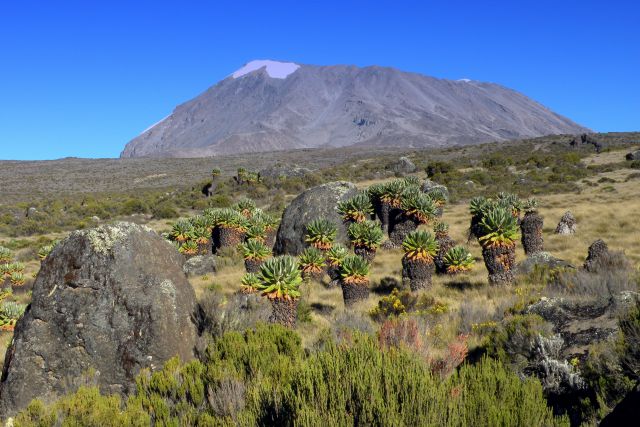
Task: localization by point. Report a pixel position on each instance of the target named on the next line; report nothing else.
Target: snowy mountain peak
(275, 69)
(291, 107)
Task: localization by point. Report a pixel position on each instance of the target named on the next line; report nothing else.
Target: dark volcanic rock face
(317, 202)
(581, 324)
(106, 303)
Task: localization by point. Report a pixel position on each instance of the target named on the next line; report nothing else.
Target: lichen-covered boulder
(314, 203)
(200, 265)
(107, 303)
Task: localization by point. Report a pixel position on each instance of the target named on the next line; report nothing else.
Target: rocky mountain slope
(271, 106)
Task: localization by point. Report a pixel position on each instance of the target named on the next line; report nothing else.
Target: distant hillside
(274, 106)
(29, 180)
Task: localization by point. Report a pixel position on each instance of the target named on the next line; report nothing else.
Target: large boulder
(314, 203)
(403, 166)
(429, 187)
(107, 303)
(200, 265)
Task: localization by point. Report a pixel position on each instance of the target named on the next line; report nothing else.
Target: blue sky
(82, 79)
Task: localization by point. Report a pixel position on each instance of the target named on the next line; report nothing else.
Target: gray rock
(567, 224)
(581, 324)
(95, 218)
(541, 259)
(31, 212)
(429, 186)
(200, 265)
(314, 203)
(634, 155)
(403, 166)
(107, 303)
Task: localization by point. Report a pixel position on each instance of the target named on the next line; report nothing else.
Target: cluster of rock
(585, 313)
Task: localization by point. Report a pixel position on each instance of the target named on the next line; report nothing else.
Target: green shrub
(438, 168)
(513, 340)
(401, 302)
(134, 206)
(496, 160)
(264, 377)
(394, 387)
(164, 210)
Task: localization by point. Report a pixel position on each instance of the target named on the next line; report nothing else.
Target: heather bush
(513, 341)
(264, 377)
(393, 387)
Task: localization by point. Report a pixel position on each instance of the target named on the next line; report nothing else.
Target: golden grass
(614, 156)
(606, 210)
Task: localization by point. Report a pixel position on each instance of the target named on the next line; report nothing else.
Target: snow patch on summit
(275, 69)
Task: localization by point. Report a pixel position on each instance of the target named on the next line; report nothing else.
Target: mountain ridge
(310, 106)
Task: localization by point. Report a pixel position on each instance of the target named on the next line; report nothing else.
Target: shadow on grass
(323, 309)
(386, 286)
(462, 284)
